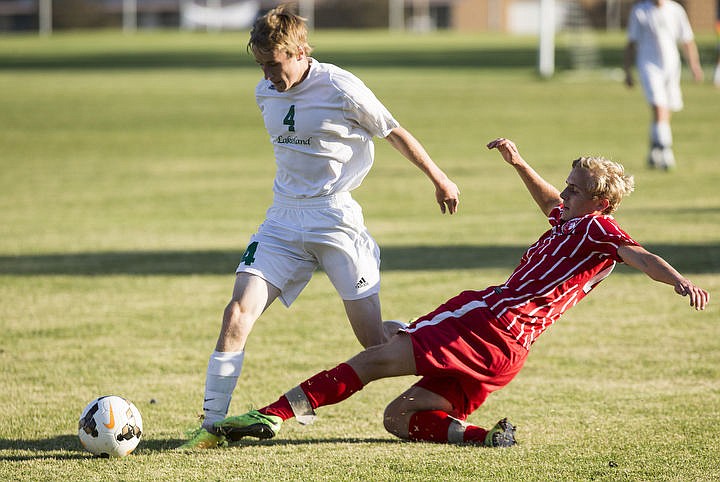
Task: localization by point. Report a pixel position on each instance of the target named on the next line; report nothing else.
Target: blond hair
(607, 180)
(279, 30)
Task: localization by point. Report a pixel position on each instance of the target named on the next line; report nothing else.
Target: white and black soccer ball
(110, 426)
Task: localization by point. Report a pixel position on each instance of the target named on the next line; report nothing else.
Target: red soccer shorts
(464, 353)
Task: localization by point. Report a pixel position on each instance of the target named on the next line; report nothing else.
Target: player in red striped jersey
(478, 341)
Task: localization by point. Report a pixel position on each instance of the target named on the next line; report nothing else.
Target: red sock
(281, 409)
(433, 426)
(325, 388)
(473, 433)
(430, 426)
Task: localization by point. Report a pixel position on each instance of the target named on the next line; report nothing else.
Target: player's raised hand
(507, 149)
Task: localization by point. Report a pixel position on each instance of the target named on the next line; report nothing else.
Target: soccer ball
(110, 426)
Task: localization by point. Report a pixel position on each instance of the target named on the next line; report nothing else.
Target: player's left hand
(698, 74)
(447, 195)
(508, 150)
(699, 298)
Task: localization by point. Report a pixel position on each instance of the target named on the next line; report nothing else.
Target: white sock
(661, 134)
(222, 375)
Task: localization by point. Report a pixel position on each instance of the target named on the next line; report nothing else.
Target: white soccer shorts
(300, 235)
(661, 88)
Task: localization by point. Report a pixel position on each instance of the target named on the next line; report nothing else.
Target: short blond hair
(279, 30)
(607, 180)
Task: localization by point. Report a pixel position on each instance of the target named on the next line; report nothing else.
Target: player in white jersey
(716, 75)
(321, 120)
(478, 341)
(655, 29)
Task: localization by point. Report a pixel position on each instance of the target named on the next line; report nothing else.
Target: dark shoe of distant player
(501, 435)
(251, 424)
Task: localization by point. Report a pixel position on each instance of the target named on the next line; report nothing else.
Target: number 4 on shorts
(248, 256)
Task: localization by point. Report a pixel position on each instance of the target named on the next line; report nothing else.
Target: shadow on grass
(481, 54)
(480, 57)
(169, 59)
(70, 448)
(44, 448)
(689, 259)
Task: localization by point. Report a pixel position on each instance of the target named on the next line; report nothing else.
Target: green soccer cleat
(252, 424)
(501, 435)
(201, 439)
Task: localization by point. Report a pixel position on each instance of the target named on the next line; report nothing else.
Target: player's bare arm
(692, 57)
(660, 270)
(629, 60)
(545, 194)
(446, 192)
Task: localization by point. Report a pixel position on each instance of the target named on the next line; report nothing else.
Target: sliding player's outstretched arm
(545, 194)
(660, 270)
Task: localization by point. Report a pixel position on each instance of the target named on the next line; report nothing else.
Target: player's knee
(393, 422)
(237, 320)
(396, 418)
(236, 313)
(232, 312)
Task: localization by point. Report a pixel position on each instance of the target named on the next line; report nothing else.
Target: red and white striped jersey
(555, 273)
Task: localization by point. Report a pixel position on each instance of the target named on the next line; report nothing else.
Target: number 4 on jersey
(290, 119)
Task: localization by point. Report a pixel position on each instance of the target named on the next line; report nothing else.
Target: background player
(716, 76)
(321, 120)
(478, 341)
(655, 27)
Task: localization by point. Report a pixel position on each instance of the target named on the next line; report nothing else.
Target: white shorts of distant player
(661, 86)
(299, 236)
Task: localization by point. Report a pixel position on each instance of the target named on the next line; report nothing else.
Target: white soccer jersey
(322, 131)
(656, 30)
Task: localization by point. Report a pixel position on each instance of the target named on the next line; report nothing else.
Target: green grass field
(133, 170)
